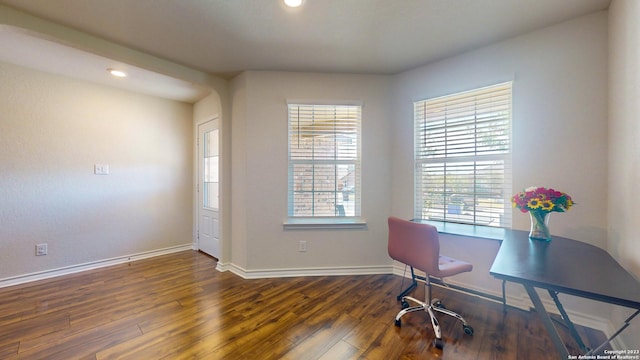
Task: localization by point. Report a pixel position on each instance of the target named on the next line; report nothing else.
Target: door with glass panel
(208, 188)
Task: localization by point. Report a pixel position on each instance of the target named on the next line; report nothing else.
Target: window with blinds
(463, 157)
(324, 160)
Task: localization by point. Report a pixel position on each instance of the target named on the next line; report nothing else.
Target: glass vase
(539, 226)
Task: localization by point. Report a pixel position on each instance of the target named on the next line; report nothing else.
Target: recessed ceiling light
(117, 73)
(293, 3)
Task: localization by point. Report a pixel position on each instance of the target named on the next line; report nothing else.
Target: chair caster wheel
(437, 303)
(467, 329)
(438, 343)
(404, 304)
(398, 322)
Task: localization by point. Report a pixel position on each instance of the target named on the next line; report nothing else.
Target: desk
(569, 267)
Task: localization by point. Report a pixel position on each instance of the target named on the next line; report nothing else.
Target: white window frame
(343, 209)
(462, 157)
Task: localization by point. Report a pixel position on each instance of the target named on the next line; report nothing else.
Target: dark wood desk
(569, 267)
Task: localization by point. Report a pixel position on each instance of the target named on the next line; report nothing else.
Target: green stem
(539, 229)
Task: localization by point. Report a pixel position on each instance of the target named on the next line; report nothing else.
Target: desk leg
(504, 297)
(606, 342)
(548, 324)
(568, 321)
(413, 284)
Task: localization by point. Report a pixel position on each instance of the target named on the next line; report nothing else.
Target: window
(324, 161)
(463, 157)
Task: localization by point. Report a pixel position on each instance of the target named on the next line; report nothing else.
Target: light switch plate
(41, 249)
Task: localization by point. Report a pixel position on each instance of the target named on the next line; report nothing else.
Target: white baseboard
(279, 273)
(617, 343)
(41, 275)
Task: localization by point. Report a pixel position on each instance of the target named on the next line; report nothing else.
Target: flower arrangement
(539, 202)
(540, 199)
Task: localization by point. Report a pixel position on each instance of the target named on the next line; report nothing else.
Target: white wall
(52, 132)
(239, 177)
(559, 78)
(260, 173)
(624, 145)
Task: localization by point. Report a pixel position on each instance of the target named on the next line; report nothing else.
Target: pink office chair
(417, 245)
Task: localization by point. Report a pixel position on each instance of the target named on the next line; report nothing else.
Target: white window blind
(324, 160)
(463, 157)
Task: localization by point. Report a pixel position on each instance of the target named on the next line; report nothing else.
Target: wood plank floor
(179, 307)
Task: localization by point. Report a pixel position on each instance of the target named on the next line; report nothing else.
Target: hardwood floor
(179, 307)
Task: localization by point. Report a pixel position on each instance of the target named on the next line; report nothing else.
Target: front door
(208, 188)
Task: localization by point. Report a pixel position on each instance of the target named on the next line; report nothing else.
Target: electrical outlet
(41, 249)
(302, 246)
(101, 169)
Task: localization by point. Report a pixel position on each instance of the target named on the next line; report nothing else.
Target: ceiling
(226, 37)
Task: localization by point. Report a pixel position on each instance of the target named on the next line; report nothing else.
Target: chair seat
(449, 266)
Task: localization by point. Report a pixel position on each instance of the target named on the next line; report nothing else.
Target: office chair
(417, 245)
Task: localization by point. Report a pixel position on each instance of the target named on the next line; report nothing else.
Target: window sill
(329, 223)
(487, 232)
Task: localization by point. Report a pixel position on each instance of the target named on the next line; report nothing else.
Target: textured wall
(52, 132)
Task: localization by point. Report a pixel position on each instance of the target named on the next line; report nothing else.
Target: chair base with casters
(431, 306)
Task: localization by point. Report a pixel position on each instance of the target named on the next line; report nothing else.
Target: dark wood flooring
(179, 307)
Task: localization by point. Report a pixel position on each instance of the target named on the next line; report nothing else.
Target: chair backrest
(414, 244)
